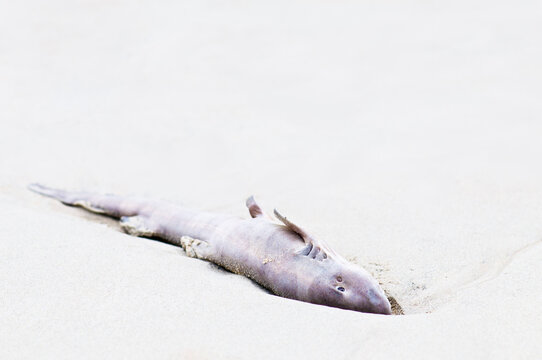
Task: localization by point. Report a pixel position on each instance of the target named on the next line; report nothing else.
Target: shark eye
(340, 288)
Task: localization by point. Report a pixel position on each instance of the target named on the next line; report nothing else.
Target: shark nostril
(339, 279)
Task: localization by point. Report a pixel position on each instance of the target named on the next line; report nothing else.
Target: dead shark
(283, 258)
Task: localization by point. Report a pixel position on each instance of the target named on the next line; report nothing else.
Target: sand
(407, 135)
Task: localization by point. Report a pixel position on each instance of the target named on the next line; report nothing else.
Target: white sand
(406, 135)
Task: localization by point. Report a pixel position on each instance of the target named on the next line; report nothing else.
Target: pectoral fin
(290, 225)
(315, 249)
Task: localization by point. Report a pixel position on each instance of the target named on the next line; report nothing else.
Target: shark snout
(379, 302)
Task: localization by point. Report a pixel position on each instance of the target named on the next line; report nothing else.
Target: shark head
(344, 285)
(326, 278)
(320, 276)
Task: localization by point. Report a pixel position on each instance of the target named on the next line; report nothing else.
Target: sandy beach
(407, 135)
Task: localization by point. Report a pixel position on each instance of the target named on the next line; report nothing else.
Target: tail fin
(112, 205)
(64, 196)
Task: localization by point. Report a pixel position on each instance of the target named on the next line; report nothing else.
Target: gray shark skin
(283, 258)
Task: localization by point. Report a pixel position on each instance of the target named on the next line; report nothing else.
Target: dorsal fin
(253, 208)
(290, 225)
